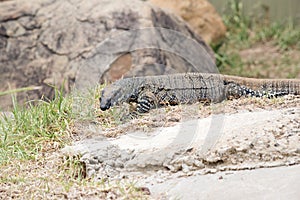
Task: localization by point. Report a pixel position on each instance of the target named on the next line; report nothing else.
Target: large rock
(200, 15)
(51, 42)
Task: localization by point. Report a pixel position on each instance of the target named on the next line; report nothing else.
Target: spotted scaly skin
(156, 91)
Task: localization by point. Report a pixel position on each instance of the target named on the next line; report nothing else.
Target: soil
(268, 60)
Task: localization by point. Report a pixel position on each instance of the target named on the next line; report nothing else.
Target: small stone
(199, 164)
(213, 159)
(242, 149)
(234, 161)
(189, 161)
(174, 167)
(119, 164)
(174, 118)
(97, 167)
(145, 190)
(159, 180)
(93, 161)
(185, 168)
(213, 171)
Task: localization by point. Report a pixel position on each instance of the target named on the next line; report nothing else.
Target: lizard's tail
(263, 86)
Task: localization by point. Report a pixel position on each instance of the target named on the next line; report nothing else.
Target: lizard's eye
(133, 97)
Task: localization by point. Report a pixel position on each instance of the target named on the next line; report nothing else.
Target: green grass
(24, 135)
(245, 32)
(30, 140)
(285, 35)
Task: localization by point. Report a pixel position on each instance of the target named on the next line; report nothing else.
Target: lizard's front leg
(146, 101)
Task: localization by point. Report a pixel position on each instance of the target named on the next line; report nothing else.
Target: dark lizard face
(109, 97)
(115, 94)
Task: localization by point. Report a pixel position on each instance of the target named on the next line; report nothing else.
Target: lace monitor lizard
(155, 91)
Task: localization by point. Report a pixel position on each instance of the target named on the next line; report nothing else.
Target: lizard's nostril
(104, 106)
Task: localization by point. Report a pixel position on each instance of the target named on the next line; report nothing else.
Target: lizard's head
(115, 94)
(110, 96)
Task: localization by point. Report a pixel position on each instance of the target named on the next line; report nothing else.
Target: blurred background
(276, 10)
(262, 38)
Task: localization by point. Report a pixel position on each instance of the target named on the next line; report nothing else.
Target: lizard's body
(155, 91)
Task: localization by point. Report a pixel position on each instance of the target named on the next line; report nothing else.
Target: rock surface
(267, 183)
(167, 159)
(217, 143)
(51, 42)
(199, 14)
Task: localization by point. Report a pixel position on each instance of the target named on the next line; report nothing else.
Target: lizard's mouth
(104, 105)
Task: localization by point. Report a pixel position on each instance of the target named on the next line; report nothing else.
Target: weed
(24, 134)
(74, 167)
(25, 89)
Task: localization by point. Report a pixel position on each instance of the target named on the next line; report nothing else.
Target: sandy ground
(243, 147)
